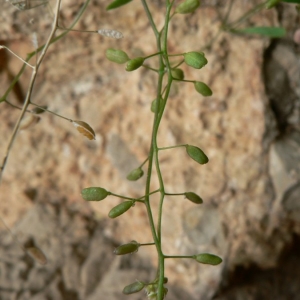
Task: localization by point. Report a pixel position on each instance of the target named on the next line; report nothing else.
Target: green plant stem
(175, 194)
(147, 244)
(161, 42)
(179, 256)
(171, 147)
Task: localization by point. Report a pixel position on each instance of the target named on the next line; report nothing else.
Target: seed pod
(271, 3)
(39, 110)
(196, 154)
(135, 174)
(206, 258)
(134, 63)
(193, 197)
(153, 105)
(187, 6)
(117, 56)
(133, 288)
(131, 247)
(202, 88)
(117, 3)
(177, 74)
(85, 129)
(120, 209)
(115, 34)
(194, 59)
(94, 194)
(37, 254)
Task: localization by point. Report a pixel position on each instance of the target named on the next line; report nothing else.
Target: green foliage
(271, 32)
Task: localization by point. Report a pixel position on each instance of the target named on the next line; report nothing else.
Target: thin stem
(30, 88)
(172, 147)
(20, 58)
(30, 55)
(179, 256)
(175, 194)
(17, 107)
(147, 244)
(51, 112)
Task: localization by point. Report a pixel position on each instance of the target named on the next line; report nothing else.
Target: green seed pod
(271, 3)
(133, 288)
(196, 60)
(117, 56)
(206, 258)
(135, 174)
(187, 6)
(196, 154)
(202, 88)
(39, 110)
(193, 197)
(117, 3)
(131, 247)
(94, 194)
(134, 63)
(177, 74)
(120, 209)
(166, 280)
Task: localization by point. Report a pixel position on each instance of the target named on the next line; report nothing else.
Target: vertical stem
(161, 42)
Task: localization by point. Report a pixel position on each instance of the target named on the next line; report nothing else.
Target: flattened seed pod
(135, 174)
(94, 194)
(117, 56)
(37, 254)
(193, 197)
(131, 247)
(133, 288)
(85, 129)
(134, 63)
(196, 154)
(187, 6)
(202, 88)
(120, 209)
(194, 59)
(209, 259)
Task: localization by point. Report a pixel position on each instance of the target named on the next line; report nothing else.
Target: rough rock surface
(249, 129)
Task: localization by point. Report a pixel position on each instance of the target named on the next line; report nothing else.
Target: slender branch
(31, 84)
